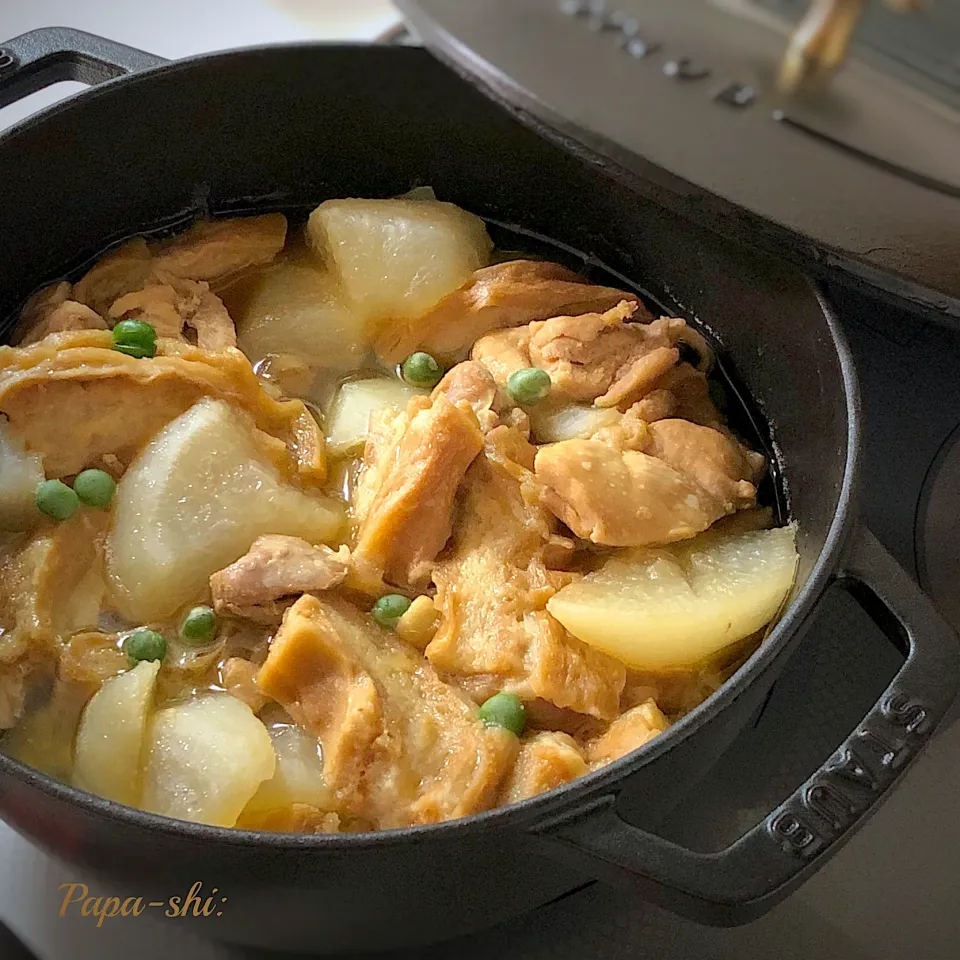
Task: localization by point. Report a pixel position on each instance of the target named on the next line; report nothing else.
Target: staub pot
(154, 143)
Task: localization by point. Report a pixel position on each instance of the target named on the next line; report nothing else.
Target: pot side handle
(38, 59)
(743, 881)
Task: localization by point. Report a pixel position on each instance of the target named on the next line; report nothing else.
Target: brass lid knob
(820, 41)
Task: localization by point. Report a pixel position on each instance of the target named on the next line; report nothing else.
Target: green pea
(145, 645)
(56, 499)
(421, 370)
(528, 386)
(94, 487)
(135, 338)
(505, 710)
(139, 353)
(199, 625)
(389, 609)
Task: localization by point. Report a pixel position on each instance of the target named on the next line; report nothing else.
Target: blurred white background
(182, 28)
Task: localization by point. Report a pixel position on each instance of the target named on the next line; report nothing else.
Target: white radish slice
(109, 746)
(206, 759)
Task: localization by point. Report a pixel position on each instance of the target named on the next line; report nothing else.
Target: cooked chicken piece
(724, 468)
(600, 357)
(51, 585)
(494, 632)
(297, 818)
(214, 251)
(273, 568)
(41, 305)
(630, 730)
(676, 692)
(627, 433)
(52, 311)
(658, 404)
(205, 314)
(504, 295)
(503, 353)
(121, 271)
(249, 641)
(92, 657)
(405, 524)
(653, 483)
(69, 399)
(158, 305)
(622, 498)
(384, 430)
(545, 716)
(217, 250)
(169, 307)
(70, 315)
(400, 747)
(238, 676)
(419, 624)
(546, 760)
(470, 382)
(518, 421)
(285, 375)
(690, 393)
(305, 442)
(510, 451)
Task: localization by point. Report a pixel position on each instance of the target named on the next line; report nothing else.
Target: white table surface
(892, 893)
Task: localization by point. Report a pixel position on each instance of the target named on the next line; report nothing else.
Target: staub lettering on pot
(906, 712)
(851, 766)
(826, 799)
(852, 781)
(794, 834)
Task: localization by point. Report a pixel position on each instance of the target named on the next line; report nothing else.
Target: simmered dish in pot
(362, 524)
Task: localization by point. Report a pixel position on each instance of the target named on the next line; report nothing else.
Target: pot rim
(592, 785)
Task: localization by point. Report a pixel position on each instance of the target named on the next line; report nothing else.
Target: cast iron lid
(860, 180)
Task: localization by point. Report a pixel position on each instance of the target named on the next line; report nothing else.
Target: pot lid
(858, 178)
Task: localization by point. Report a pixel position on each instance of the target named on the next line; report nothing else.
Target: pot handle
(740, 883)
(38, 59)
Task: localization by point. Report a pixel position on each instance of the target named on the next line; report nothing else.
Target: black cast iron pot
(286, 127)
